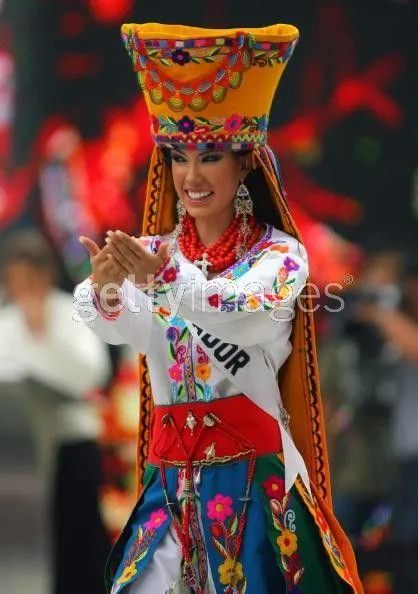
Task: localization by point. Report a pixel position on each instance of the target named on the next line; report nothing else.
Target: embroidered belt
(212, 432)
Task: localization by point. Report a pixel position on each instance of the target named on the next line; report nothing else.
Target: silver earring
(243, 203)
(244, 208)
(181, 213)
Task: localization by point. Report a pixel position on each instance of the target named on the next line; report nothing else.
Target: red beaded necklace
(222, 254)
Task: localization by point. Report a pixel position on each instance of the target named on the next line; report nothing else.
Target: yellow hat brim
(271, 34)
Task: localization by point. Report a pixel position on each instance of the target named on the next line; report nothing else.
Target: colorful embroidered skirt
(244, 533)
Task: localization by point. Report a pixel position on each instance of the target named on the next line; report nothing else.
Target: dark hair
(31, 248)
(264, 209)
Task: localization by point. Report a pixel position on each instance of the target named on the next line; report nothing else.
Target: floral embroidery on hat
(186, 125)
(181, 57)
(233, 123)
(190, 131)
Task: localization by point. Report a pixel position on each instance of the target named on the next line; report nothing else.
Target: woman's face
(206, 181)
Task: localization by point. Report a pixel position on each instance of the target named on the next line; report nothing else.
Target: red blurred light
(72, 24)
(110, 11)
(74, 65)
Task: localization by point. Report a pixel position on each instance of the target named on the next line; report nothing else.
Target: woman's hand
(131, 256)
(105, 269)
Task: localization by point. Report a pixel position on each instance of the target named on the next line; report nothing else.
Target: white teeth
(198, 195)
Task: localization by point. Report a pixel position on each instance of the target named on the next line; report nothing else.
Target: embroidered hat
(209, 88)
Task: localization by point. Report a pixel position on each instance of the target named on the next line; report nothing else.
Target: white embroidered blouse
(250, 305)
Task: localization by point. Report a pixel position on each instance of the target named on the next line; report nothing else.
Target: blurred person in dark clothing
(61, 361)
(400, 328)
(358, 377)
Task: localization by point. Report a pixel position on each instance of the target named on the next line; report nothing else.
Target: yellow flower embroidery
(128, 573)
(252, 302)
(230, 572)
(284, 292)
(288, 543)
(203, 371)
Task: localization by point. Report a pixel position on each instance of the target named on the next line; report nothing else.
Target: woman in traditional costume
(233, 472)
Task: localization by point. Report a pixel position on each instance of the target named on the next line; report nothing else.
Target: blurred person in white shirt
(60, 361)
(400, 328)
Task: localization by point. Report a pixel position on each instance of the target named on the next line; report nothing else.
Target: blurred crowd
(369, 373)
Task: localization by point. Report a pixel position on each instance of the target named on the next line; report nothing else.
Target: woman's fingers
(123, 251)
(90, 245)
(116, 271)
(164, 251)
(132, 244)
(115, 259)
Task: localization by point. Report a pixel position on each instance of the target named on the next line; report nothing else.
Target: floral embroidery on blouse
(177, 335)
(162, 279)
(281, 291)
(189, 372)
(278, 293)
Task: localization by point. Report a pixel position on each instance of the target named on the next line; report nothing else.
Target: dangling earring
(244, 208)
(181, 213)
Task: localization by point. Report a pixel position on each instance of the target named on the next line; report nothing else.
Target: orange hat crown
(209, 88)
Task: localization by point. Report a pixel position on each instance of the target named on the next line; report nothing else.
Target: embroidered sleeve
(112, 310)
(128, 322)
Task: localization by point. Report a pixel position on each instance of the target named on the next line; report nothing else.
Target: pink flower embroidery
(220, 508)
(274, 487)
(156, 520)
(233, 123)
(264, 245)
(175, 373)
(170, 275)
(283, 274)
(214, 300)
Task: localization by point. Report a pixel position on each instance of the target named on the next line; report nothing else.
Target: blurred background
(74, 149)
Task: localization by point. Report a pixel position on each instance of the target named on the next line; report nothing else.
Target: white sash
(257, 386)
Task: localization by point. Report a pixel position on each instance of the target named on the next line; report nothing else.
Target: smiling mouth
(198, 196)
